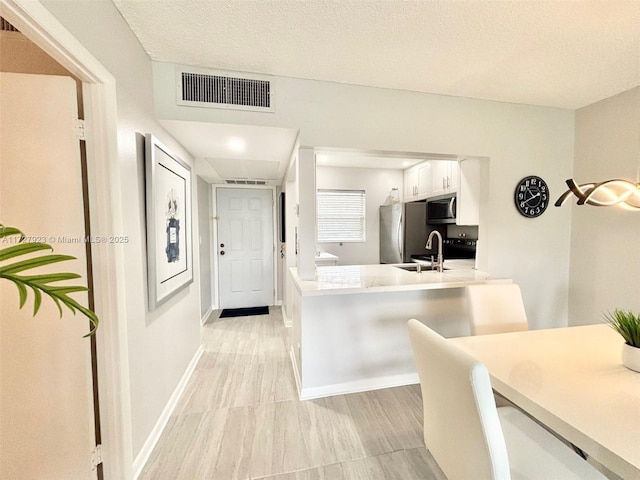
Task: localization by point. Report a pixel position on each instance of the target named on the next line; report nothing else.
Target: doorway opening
(99, 101)
(244, 246)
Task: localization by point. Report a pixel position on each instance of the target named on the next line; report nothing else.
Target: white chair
(496, 308)
(468, 436)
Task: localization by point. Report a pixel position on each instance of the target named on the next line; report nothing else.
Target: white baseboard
(356, 385)
(206, 316)
(285, 319)
(154, 436)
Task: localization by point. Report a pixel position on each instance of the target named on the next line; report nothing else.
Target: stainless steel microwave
(441, 209)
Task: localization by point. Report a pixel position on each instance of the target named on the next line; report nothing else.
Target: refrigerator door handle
(400, 240)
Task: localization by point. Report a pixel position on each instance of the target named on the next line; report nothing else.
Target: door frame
(100, 106)
(214, 237)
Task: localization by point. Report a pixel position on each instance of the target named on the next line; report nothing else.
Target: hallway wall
(204, 240)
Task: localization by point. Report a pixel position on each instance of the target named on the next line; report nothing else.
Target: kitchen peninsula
(349, 330)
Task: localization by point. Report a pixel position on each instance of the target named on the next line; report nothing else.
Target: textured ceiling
(554, 53)
(565, 54)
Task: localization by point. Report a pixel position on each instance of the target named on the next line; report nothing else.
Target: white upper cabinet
(417, 182)
(431, 178)
(445, 175)
(424, 179)
(454, 175)
(411, 184)
(439, 177)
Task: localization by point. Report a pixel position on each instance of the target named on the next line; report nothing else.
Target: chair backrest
(461, 426)
(496, 308)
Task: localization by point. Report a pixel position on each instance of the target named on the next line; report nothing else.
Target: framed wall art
(169, 229)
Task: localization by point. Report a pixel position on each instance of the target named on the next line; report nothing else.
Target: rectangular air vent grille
(6, 26)
(224, 91)
(246, 182)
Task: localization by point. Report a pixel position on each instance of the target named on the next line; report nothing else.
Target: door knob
(221, 252)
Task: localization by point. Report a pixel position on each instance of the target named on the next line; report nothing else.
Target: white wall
(289, 186)
(305, 184)
(377, 183)
(519, 140)
(162, 342)
(204, 242)
(605, 260)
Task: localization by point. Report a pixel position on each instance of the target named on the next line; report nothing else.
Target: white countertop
(325, 256)
(346, 279)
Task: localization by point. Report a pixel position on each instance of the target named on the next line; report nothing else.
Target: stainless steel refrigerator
(403, 231)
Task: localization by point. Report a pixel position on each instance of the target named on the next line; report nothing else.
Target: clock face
(532, 196)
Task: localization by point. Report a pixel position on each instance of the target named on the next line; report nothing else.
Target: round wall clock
(532, 196)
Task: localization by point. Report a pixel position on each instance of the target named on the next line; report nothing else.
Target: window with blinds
(341, 215)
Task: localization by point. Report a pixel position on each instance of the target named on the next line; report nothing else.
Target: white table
(572, 380)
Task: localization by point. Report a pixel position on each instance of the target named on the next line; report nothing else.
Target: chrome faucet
(440, 261)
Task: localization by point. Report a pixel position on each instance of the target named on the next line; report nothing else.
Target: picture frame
(169, 222)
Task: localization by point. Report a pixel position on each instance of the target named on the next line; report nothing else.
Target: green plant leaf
(10, 231)
(40, 284)
(34, 263)
(22, 291)
(22, 249)
(37, 301)
(66, 290)
(626, 323)
(53, 277)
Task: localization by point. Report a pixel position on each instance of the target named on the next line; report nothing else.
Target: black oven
(454, 249)
(459, 248)
(441, 209)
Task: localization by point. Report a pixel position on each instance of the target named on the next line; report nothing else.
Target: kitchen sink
(414, 268)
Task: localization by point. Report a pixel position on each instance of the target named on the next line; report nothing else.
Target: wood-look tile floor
(240, 418)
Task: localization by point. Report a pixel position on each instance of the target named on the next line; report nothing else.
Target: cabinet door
(445, 177)
(439, 175)
(424, 180)
(454, 176)
(410, 184)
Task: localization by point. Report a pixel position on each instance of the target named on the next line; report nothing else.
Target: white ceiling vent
(204, 88)
(245, 182)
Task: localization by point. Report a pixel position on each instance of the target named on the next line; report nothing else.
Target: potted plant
(627, 324)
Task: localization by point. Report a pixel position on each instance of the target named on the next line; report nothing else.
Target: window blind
(341, 215)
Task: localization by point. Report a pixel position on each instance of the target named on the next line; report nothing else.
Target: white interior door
(245, 247)
(46, 399)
